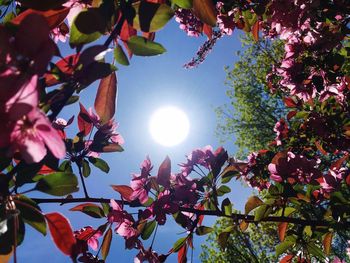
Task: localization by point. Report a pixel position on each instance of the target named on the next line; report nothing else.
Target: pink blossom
(32, 133)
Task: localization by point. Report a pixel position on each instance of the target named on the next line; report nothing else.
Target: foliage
(256, 244)
(302, 176)
(253, 111)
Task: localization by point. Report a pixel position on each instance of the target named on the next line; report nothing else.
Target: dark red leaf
(182, 254)
(208, 30)
(291, 114)
(124, 190)
(61, 232)
(66, 65)
(164, 171)
(84, 122)
(337, 164)
(287, 259)
(105, 102)
(53, 17)
(289, 102)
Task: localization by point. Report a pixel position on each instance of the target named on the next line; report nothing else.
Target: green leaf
(226, 207)
(90, 209)
(31, 213)
(81, 32)
(120, 56)
(58, 184)
(66, 166)
(179, 243)
(223, 190)
(262, 212)
(148, 229)
(105, 208)
(252, 203)
(140, 46)
(86, 168)
(282, 247)
(203, 230)
(315, 250)
(100, 164)
(106, 244)
(151, 17)
(186, 4)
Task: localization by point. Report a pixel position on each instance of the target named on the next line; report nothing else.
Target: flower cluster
(27, 129)
(188, 22)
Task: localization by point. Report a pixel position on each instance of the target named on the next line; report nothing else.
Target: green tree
(256, 244)
(249, 119)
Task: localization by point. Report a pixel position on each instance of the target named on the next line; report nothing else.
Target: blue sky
(146, 85)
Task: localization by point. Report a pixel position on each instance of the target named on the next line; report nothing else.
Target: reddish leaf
(164, 171)
(53, 17)
(291, 114)
(105, 102)
(66, 65)
(282, 227)
(327, 242)
(320, 148)
(208, 30)
(86, 234)
(255, 31)
(84, 122)
(124, 190)
(149, 35)
(290, 102)
(337, 164)
(348, 179)
(61, 232)
(287, 259)
(182, 254)
(205, 11)
(127, 31)
(243, 225)
(106, 244)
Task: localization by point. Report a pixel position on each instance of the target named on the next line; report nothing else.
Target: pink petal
(32, 149)
(50, 136)
(93, 243)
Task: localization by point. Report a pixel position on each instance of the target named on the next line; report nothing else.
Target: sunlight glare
(169, 126)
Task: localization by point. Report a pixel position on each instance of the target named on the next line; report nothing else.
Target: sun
(169, 126)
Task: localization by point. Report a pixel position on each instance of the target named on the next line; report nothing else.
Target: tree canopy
(302, 177)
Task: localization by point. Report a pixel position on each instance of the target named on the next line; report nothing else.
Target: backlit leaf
(105, 102)
(327, 242)
(124, 190)
(205, 11)
(61, 232)
(252, 203)
(90, 209)
(282, 227)
(120, 56)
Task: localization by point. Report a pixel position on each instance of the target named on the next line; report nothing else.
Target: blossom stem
(82, 179)
(154, 235)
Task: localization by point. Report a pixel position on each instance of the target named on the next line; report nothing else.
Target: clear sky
(144, 86)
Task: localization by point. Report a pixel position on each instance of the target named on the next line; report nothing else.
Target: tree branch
(234, 216)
